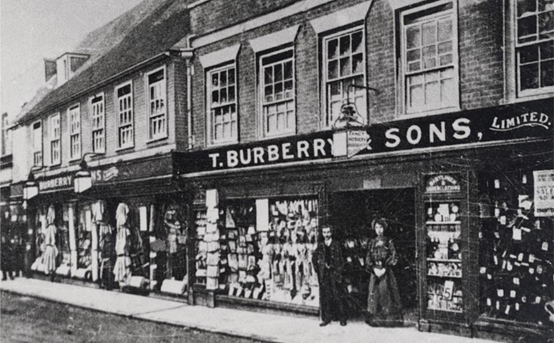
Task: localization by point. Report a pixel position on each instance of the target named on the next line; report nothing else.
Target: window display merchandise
(516, 259)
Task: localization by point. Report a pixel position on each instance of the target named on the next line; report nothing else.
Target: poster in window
(544, 193)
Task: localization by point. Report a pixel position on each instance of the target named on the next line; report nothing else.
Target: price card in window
(512, 294)
(516, 281)
(516, 234)
(448, 290)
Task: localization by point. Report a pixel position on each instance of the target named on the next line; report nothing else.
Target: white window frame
(210, 122)
(517, 46)
(55, 139)
(404, 74)
(263, 105)
(127, 127)
(327, 121)
(98, 123)
(163, 117)
(74, 130)
(37, 146)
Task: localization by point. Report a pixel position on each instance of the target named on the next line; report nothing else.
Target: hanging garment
(50, 251)
(123, 262)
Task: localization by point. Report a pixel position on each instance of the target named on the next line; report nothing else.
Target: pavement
(258, 326)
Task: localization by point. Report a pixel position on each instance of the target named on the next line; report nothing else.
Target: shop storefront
(127, 230)
(455, 188)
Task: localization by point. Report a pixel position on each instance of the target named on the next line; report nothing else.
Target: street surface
(26, 319)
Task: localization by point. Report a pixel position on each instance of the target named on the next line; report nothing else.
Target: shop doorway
(351, 213)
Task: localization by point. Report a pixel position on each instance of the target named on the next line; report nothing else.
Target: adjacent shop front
(123, 227)
(466, 196)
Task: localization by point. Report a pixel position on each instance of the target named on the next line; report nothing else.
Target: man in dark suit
(328, 261)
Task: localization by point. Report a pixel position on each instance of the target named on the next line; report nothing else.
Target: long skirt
(49, 259)
(121, 268)
(384, 306)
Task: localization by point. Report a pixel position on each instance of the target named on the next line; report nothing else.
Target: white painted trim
(341, 18)
(396, 4)
(219, 56)
(148, 114)
(296, 8)
(92, 119)
(274, 39)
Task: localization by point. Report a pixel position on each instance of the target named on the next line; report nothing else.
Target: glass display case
(443, 256)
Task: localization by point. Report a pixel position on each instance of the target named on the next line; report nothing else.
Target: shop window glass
(222, 105)
(535, 45)
(344, 63)
(273, 262)
(429, 55)
(278, 93)
(516, 253)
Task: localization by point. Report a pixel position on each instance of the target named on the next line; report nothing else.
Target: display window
(259, 249)
(516, 245)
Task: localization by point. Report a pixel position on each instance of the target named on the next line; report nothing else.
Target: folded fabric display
(243, 261)
(213, 271)
(233, 262)
(201, 273)
(213, 259)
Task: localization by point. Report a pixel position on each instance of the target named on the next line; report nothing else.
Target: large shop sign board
(502, 123)
(544, 193)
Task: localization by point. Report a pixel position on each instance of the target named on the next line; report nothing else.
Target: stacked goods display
(266, 250)
(444, 263)
(516, 253)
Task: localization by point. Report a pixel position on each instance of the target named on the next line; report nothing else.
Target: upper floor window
(124, 107)
(344, 65)
(158, 106)
(55, 139)
(222, 104)
(6, 136)
(534, 46)
(36, 142)
(97, 110)
(429, 50)
(278, 107)
(74, 132)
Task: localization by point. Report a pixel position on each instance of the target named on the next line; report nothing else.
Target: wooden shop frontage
(467, 195)
(131, 218)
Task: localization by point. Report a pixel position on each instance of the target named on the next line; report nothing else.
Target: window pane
(413, 37)
(290, 119)
(429, 51)
(529, 76)
(445, 60)
(430, 63)
(279, 91)
(268, 75)
(215, 98)
(231, 76)
(288, 70)
(429, 33)
(345, 45)
(231, 93)
(525, 7)
(546, 5)
(445, 47)
(345, 66)
(414, 66)
(333, 71)
(445, 30)
(332, 49)
(223, 95)
(526, 27)
(547, 50)
(268, 93)
(278, 70)
(416, 96)
(223, 78)
(529, 54)
(413, 55)
(334, 88)
(357, 42)
(357, 63)
(448, 92)
(432, 94)
(546, 24)
(547, 73)
(288, 89)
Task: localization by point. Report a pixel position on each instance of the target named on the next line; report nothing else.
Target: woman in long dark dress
(383, 306)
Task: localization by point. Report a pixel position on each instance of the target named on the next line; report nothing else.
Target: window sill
(535, 96)
(153, 140)
(282, 135)
(130, 147)
(429, 113)
(73, 159)
(222, 143)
